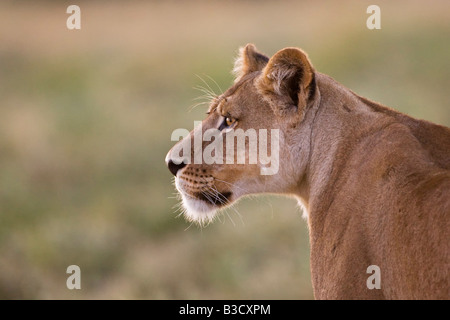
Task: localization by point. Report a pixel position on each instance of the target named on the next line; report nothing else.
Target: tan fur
(375, 182)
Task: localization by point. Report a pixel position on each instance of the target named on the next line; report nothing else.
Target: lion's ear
(288, 83)
(249, 60)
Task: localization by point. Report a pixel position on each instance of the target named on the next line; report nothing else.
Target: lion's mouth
(201, 204)
(213, 197)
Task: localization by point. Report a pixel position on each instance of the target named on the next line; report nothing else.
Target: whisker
(227, 202)
(215, 82)
(197, 104)
(231, 184)
(189, 226)
(257, 198)
(206, 92)
(208, 197)
(219, 197)
(208, 95)
(209, 87)
(201, 97)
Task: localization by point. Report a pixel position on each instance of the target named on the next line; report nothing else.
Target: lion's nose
(173, 167)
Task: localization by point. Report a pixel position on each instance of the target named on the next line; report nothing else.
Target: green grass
(84, 132)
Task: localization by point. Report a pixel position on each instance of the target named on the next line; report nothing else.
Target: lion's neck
(364, 161)
(341, 122)
(337, 126)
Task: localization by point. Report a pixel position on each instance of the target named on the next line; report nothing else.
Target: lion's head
(265, 107)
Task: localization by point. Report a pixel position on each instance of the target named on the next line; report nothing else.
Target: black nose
(175, 167)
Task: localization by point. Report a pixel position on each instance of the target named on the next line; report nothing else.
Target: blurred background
(85, 123)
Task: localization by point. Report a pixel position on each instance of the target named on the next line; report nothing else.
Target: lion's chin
(201, 206)
(197, 210)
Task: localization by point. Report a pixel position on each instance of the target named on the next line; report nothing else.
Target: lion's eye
(229, 121)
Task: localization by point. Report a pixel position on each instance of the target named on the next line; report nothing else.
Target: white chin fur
(197, 210)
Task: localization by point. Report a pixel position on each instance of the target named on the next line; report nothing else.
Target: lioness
(374, 183)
